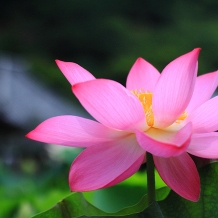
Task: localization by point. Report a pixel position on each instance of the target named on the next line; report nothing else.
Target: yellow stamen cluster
(145, 97)
(182, 117)
(146, 100)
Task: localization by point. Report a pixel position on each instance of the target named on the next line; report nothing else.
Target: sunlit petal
(105, 165)
(205, 117)
(204, 89)
(142, 76)
(180, 174)
(111, 104)
(73, 72)
(174, 89)
(204, 145)
(163, 143)
(73, 131)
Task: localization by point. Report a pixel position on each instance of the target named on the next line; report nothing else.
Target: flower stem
(150, 178)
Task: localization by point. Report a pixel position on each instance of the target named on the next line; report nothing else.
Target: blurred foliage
(66, 208)
(29, 189)
(168, 203)
(34, 186)
(105, 37)
(23, 194)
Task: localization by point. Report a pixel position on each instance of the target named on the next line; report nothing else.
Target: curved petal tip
(181, 175)
(73, 72)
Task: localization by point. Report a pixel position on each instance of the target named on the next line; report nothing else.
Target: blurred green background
(105, 37)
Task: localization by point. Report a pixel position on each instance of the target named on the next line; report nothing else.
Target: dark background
(106, 37)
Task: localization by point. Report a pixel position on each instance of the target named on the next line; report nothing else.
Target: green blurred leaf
(122, 195)
(171, 206)
(76, 205)
(152, 211)
(175, 206)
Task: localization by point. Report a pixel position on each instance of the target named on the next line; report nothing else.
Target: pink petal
(104, 165)
(129, 172)
(180, 174)
(204, 145)
(204, 89)
(73, 72)
(111, 104)
(165, 144)
(73, 131)
(174, 89)
(142, 76)
(205, 117)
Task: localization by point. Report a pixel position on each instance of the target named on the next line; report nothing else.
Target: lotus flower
(168, 114)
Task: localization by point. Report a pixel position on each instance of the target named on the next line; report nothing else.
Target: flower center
(182, 117)
(145, 97)
(146, 100)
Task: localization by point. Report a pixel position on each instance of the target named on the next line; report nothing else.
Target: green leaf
(76, 205)
(122, 195)
(173, 205)
(152, 211)
(207, 206)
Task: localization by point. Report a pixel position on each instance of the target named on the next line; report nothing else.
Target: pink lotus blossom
(168, 114)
